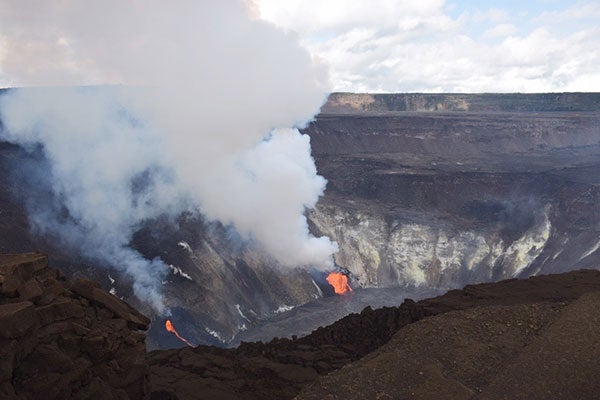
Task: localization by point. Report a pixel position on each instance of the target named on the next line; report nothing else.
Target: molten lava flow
(339, 282)
(171, 328)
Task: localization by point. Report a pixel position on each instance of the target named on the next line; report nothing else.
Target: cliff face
(433, 191)
(389, 253)
(443, 199)
(486, 102)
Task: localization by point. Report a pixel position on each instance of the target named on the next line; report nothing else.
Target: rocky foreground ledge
(530, 339)
(62, 340)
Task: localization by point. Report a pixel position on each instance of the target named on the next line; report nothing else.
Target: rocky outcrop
(62, 340)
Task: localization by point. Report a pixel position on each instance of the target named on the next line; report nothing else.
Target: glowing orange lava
(169, 326)
(339, 282)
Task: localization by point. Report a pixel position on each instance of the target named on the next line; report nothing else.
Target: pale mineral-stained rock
(384, 252)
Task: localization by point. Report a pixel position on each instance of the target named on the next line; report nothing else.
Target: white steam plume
(206, 128)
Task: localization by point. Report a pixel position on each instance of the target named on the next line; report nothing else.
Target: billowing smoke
(205, 120)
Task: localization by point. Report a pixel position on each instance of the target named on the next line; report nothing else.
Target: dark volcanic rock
(476, 333)
(92, 291)
(542, 350)
(16, 319)
(533, 338)
(66, 341)
(529, 339)
(280, 368)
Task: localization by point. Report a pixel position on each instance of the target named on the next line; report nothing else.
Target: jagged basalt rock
(16, 319)
(66, 341)
(92, 291)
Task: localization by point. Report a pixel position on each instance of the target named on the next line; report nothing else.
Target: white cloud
(396, 46)
(493, 15)
(381, 45)
(500, 30)
(580, 11)
(341, 15)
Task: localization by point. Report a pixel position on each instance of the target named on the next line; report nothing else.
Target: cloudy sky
(448, 46)
(367, 45)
